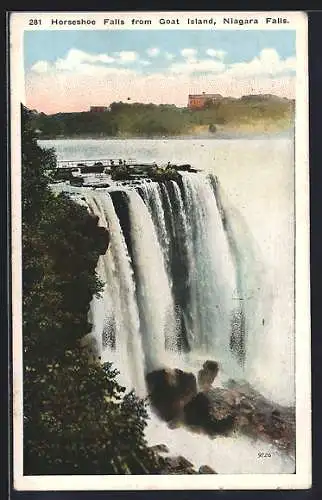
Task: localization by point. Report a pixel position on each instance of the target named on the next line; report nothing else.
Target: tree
(208, 104)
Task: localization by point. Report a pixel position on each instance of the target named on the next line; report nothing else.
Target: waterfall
(151, 194)
(214, 292)
(173, 281)
(115, 316)
(155, 297)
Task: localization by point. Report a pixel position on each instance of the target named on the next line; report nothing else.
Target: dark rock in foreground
(178, 465)
(255, 415)
(205, 469)
(199, 414)
(236, 407)
(170, 391)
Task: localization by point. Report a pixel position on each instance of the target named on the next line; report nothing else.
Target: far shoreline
(224, 134)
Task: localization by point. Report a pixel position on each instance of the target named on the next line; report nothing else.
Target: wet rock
(205, 469)
(223, 402)
(199, 413)
(207, 374)
(254, 415)
(98, 233)
(103, 238)
(178, 465)
(76, 181)
(221, 410)
(99, 186)
(169, 391)
(160, 448)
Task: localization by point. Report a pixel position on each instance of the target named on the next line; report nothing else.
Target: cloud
(126, 56)
(144, 62)
(76, 58)
(80, 62)
(41, 67)
(219, 54)
(153, 52)
(189, 54)
(268, 63)
(198, 66)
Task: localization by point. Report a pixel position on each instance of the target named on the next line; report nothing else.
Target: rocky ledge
(236, 407)
(179, 464)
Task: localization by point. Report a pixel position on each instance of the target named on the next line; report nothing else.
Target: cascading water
(115, 316)
(172, 292)
(154, 290)
(181, 287)
(180, 248)
(152, 196)
(213, 275)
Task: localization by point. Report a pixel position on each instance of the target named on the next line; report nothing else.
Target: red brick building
(197, 101)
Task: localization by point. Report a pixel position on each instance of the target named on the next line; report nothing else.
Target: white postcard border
(302, 478)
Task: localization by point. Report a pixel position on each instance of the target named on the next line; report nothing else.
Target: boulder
(207, 374)
(198, 413)
(223, 402)
(76, 181)
(255, 415)
(178, 465)
(169, 391)
(205, 469)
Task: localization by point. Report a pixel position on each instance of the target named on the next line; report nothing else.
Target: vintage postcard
(160, 250)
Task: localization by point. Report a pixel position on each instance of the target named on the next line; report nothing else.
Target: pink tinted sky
(51, 94)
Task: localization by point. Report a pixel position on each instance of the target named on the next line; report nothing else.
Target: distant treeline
(136, 119)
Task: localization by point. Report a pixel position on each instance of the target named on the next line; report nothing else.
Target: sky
(72, 70)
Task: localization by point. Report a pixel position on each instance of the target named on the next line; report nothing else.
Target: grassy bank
(123, 120)
(251, 127)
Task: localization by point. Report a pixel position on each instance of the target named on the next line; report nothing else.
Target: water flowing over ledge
(182, 278)
(174, 267)
(180, 286)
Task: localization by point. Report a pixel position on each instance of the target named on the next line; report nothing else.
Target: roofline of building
(205, 95)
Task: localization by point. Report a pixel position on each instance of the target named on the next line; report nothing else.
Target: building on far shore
(197, 101)
(99, 109)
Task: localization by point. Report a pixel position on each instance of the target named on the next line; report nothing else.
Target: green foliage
(85, 424)
(34, 163)
(170, 174)
(77, 419)
(150, 120)
(120, 173)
